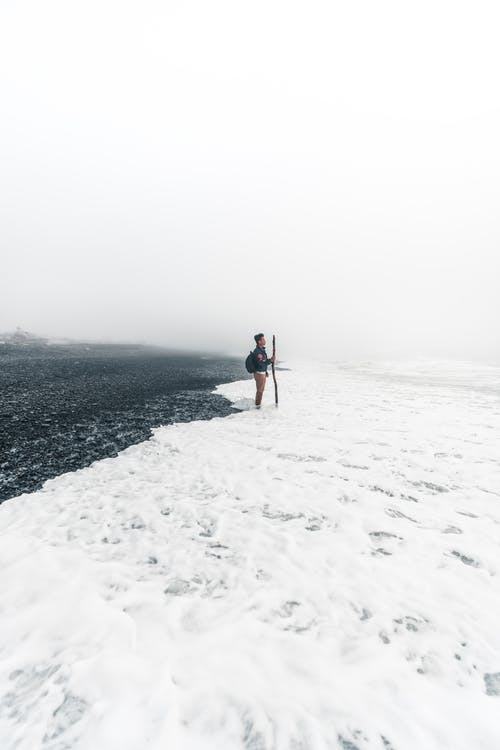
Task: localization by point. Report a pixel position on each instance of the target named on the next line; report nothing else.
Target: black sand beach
(63, 407)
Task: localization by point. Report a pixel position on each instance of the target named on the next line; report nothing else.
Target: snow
(321, 575)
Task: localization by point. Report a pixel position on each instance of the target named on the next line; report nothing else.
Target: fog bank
(189, 174)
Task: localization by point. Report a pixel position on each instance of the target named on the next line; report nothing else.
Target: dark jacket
(261, 359)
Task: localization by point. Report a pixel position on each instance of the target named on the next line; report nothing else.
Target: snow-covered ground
(322, 575)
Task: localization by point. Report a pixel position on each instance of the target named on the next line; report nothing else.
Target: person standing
(261, 362)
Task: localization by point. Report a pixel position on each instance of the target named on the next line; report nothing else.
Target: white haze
(188, 173)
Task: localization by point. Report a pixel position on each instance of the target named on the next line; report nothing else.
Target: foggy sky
(189, 173)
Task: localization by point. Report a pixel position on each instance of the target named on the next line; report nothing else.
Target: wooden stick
(274, 373)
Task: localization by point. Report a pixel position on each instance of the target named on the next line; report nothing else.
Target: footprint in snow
(393, 513)
(200, 584)
(465, 559)
(135, 523)
(492, 683)
(295, 457)
(352, 466)
(288, 608)
(409, 498)
(376, 488)
(386, 743)
(412, 624)
(292, 628)
(252, 738)
(434, 488)
(208, 527)
(345, 499)
(280, 515)
(111, 540)
(219, 551)
(212, 588)
(178, 587)
(70, 711)
(315, 524)
(346, 744)
(34, 677)
(30, 684)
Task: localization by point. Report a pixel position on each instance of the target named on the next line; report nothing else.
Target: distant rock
(19, 337)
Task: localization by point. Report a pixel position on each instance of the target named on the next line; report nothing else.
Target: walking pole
(274, 373)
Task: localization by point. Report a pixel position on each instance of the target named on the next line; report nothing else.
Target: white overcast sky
(189, 173)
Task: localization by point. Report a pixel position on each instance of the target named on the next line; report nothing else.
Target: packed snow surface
(322, 575)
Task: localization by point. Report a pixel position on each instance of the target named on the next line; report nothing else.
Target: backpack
(250, 363)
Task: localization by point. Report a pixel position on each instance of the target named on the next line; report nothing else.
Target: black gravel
(63, 407)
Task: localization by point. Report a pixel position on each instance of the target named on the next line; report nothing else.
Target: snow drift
(322, 575)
